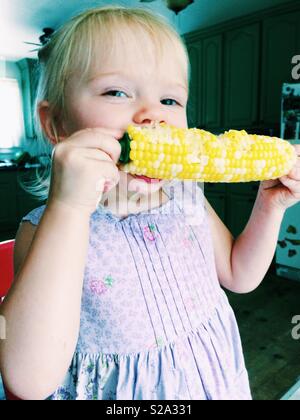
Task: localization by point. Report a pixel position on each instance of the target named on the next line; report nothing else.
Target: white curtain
(11, 113)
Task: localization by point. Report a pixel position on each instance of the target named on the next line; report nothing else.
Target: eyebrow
(121, 74)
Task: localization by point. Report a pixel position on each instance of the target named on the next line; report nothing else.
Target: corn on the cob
(167, 152)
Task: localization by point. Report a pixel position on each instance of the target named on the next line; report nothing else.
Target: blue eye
(116, 93)
(169, 102)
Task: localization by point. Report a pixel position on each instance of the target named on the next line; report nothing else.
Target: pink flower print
(99, 286)
(149, 232)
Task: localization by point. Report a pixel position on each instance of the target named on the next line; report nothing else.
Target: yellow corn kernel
(167, 152)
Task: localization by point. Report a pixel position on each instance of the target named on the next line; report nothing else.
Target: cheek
(179, 119)
(79, 120)
(183, 121)
(87, 115)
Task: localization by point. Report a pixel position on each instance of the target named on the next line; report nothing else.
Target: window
(11, 114)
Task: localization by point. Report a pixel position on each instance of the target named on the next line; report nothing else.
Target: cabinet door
(241, 77)
(8, 207)
(218, 203)
(194, 110)
(211, 82)
(27, 68)
(243, 188)
(239, 211)
(281, 41)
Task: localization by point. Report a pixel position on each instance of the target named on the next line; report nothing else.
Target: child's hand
(83, 167)
(283, 192)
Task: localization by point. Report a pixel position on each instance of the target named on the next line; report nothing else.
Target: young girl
(117, 289)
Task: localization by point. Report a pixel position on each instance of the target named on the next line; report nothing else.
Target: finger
(107, 144)
(297, 148)
(297, 164)
(294, 174)
(96, 138)
(96, 154)
(292, 184)
(108, 167)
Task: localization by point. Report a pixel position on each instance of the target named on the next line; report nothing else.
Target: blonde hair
(72, 51)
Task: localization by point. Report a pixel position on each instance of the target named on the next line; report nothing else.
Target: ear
(53, 131)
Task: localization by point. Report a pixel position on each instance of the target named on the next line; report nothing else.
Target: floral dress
(155, 323)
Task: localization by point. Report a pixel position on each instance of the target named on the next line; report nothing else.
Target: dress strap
(35, 215)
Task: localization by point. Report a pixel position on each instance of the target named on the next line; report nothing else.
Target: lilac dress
(155, 323)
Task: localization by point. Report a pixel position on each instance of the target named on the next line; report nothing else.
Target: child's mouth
(147, 179)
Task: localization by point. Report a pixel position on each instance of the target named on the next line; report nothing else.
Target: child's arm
(42, 310)
(242, 263)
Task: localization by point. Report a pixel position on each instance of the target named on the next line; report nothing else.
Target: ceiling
(23, 20)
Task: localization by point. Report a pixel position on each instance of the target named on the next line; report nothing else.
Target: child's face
(125, 90)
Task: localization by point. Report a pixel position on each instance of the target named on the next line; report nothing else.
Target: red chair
(6, 279)
(6, 267)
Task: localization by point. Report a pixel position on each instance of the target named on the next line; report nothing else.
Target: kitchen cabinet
(15, 202)
(216, 195)
(194, 106)
(211, 90)
(281, 41)
(240, 211)
(8, 208)
(233, 203)
(242, 65)
(218, 203)
(241, 77)
(27, 68)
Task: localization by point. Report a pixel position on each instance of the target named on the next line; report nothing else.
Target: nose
(148, 113)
